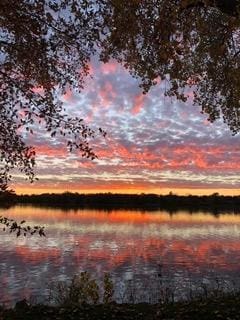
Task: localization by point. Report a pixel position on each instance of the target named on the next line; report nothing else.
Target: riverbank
(145, 202)
(226, 307)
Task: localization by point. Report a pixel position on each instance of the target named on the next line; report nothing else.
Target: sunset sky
(154, 144)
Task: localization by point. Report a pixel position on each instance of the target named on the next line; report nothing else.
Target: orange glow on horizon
(124, 189)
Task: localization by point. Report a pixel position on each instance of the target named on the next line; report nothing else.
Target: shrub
(81, 290)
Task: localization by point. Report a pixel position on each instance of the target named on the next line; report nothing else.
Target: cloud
(110, 67)
(153, 143)
(138, 103)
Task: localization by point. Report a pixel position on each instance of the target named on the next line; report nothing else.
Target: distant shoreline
(144, 202)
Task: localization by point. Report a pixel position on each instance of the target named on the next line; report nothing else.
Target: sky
(154, 144)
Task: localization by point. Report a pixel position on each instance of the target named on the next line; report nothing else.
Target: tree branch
(229, 7)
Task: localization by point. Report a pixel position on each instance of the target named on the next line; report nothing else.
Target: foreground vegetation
(83, 298)
(226, 307)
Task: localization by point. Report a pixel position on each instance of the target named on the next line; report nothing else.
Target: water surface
(128, 244)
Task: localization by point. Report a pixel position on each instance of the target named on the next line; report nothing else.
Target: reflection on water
(125, 243)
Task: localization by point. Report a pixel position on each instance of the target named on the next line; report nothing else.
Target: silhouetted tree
(46, 46)
(7, 199)
(188, 43)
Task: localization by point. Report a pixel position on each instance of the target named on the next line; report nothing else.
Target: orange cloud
(50, 151)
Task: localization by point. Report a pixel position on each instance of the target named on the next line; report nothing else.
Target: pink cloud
(138, 103)
(50, 151)
(39, 90)
(68, 96)
(110, 67)
(187, 157)
(90, 68)
(107, 94)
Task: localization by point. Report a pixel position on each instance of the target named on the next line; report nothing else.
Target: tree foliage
(46, 47)
(192, 45)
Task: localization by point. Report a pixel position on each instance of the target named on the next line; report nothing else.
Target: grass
(83, 298)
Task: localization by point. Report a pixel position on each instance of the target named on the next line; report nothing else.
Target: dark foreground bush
(226, 307)
(85, 298)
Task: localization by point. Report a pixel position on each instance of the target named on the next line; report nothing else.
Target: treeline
(108, 201)
(8, 198)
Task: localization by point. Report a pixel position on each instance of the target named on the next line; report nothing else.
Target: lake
(144, 248)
